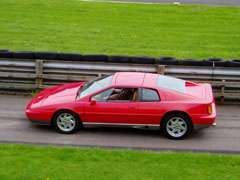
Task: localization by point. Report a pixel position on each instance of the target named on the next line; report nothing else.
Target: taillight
(209, 109)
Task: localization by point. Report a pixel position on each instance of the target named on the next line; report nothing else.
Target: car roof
(135, 79)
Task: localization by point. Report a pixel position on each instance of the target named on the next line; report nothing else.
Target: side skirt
(119, 125)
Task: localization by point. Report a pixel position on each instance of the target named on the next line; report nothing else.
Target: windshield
(171, 83)
(94, 86)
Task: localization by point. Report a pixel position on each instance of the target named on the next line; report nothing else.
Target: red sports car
(127, 99)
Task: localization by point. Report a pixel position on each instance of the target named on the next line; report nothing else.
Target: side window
(149, 95)
(124, 94)
(103, 96)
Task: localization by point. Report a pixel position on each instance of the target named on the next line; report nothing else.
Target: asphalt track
(16, 128)
(203, 2)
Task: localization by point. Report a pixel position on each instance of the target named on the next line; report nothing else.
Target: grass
(191, 31)
(32, 162)
(33, 93)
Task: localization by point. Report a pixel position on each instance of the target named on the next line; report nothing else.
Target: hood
(59, 94)
(63, 94)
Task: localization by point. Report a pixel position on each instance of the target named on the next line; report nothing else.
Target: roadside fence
(26, 75)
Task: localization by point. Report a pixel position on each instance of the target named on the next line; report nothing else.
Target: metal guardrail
(21, 75)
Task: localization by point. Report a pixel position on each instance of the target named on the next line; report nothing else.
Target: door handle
(131, 108)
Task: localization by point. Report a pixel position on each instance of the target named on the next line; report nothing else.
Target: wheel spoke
(61, 123)
(174, 130)
(182, 128)
(72, 122)
(62, 118)
(170, 126)
(176, 120)
(181, 123)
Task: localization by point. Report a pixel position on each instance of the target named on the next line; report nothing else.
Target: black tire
(95, 58)
(119, 59)
(73, 127)
(214, 62)
(233, 63)
(143, 59)
(70, 56)
(24, 55)
(190, 62)
(169, 119)
(165, 60)
(5, 53)
(46, 55)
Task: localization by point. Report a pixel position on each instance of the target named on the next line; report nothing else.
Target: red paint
(112, 112)
(194, 102)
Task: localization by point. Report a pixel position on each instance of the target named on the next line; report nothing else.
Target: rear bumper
(204, 121)
(40, 122)
(201, 126)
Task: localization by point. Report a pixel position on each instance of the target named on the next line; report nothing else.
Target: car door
(110, 109)
(150, 108)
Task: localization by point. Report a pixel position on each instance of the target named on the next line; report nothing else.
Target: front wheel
(66, 122)
(176, 126)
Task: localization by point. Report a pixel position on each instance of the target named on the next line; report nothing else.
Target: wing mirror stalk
(93, 102)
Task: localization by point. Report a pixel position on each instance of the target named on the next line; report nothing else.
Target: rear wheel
(176, 126)
(66, 122)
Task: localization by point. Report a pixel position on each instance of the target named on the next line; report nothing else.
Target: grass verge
(33, 93)
(119, 28)
(33, 162)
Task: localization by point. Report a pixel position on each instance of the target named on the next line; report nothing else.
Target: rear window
(149, 95)
(171, 83)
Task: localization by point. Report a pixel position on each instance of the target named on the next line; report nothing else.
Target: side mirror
(93, 102)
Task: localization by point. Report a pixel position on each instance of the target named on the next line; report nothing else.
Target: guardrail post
(39, 72)
(160, 69)
(222, 91)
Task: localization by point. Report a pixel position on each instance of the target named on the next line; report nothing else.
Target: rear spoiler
(209, 93)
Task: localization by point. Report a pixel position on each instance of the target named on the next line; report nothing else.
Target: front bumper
(39, 117)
